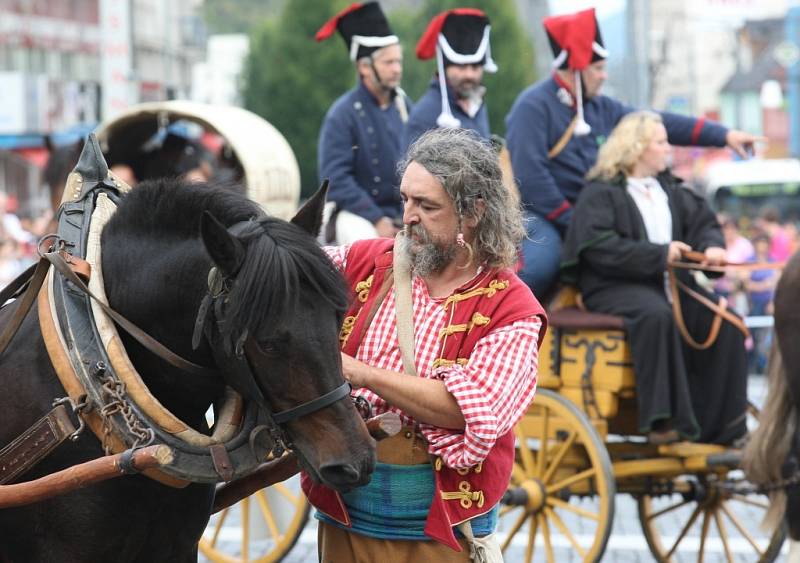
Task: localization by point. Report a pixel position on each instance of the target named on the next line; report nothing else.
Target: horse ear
(309, 217)
(225, 250)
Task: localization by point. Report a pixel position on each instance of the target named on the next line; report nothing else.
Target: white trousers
(349, 226)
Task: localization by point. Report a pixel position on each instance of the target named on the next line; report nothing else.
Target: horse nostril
(340, 474)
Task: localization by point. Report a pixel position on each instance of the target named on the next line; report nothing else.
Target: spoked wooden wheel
(562, 488)
(261, 528)
(712, 516)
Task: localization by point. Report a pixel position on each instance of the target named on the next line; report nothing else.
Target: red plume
(574, 33)
(330, 26)
(426, 47)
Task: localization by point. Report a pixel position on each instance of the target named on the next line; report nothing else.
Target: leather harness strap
(35, 443)
(693, 260)
(32, 280)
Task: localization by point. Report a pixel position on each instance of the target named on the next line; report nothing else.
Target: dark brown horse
(773, 452)
(281, 314)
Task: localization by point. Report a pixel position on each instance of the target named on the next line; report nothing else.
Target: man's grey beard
(426, 256)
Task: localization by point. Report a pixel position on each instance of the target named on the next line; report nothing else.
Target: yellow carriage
(578, 446)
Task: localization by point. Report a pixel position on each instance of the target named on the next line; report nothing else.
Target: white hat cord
(581, 127)
(446, 118)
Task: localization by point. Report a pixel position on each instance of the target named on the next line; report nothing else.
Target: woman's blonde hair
(625, 145)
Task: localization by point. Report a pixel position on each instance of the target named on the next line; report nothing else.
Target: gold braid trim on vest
(465, 495)
(347, 327)
(438, 362)
(494, 287)
(477, 320)
(363, 287)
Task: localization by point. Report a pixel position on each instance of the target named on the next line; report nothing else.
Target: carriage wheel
(711, 514)
(562, 483)
(261, 528)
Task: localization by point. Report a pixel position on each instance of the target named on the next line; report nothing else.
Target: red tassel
(330, 26)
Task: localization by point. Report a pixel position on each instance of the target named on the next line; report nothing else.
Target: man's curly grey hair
(467, 167)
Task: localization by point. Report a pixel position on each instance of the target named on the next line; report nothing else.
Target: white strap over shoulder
(402, 302)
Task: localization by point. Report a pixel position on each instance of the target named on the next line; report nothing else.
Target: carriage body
(265, 159)
(579, 445)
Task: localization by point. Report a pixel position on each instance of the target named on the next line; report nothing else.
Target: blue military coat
(359, 147)
(535, 124)
(428, 108)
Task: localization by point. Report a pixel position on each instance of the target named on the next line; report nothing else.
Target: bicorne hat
(363, 27)
(576, 43)
(456, 37)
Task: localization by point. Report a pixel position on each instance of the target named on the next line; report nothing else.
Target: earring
(460, 240)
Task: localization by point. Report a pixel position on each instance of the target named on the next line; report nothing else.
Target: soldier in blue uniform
(555, 128)
(361, 137)
(459, 39)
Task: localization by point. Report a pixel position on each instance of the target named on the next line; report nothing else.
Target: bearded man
(464, 379)
(361, 137)
(459, 39)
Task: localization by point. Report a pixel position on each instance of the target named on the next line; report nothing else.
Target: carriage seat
(575, 318)
(584, 350)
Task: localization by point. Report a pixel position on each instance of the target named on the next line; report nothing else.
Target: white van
(744, 188)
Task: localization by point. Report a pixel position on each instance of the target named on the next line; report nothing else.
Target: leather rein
(694, 260)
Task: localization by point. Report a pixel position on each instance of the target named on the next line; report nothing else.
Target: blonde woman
(631, 218)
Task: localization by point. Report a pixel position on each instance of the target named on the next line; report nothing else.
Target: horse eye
(268, 348)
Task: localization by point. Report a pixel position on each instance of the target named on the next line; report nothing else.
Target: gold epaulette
(489, 291)
(477, 320)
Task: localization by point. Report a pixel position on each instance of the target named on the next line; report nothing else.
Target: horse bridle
(236, 367)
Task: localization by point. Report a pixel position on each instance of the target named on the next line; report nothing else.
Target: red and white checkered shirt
(493, 390)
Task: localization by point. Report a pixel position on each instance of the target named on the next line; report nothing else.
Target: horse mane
(280, 260)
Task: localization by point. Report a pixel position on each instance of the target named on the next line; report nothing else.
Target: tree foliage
(291, 80)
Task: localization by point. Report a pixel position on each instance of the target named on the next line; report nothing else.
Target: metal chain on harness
(114, 396)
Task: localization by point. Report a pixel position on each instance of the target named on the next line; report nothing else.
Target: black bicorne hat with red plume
(456, 37)
(576, 43)
(363, 27)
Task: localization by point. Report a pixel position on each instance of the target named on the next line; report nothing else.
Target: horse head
(277, 305)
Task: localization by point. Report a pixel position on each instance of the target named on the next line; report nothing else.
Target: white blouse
(653, 204)
(651, 199)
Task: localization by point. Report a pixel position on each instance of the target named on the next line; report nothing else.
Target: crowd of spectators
(750, 292)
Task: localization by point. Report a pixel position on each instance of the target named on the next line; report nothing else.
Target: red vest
(498, 298)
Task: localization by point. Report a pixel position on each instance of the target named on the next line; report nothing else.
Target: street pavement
(626, 544)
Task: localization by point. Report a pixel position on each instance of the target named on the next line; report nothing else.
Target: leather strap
(34, 277)
(33, 445)
(562, 142)
(693, 260)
